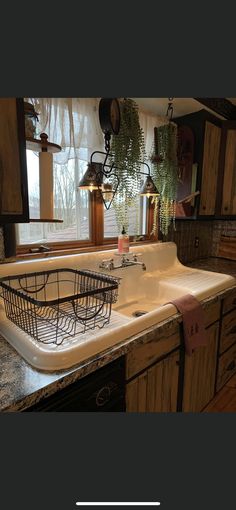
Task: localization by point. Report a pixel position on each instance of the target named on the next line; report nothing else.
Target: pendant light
(101, 176)
(149, 189)
(93, 177)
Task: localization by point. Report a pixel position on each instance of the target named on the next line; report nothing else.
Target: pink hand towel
(193, 322)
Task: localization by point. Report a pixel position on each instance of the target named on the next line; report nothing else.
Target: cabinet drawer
(156, 389)
(144, 355)
(227, 367)
(228, 331)
(229, 303)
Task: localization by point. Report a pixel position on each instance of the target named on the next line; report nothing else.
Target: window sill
(71, 251)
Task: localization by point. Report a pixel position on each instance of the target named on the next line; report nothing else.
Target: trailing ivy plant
(128, 150)
(165, 174)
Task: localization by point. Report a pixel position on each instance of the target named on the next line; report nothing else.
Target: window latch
(42, 248)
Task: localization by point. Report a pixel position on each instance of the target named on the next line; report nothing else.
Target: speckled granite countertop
(22, 386)
(219, 265)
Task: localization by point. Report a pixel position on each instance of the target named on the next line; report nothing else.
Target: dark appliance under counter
(103, 390)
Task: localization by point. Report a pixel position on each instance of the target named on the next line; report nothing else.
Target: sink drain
(138, 313)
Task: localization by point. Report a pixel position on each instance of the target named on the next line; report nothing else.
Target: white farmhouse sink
(147, 293)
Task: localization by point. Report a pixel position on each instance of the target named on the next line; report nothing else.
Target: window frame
(97, 240)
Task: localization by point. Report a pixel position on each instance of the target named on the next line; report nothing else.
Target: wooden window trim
(97, 242)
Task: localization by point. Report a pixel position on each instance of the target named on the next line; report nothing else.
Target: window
(70, 205)
(138, 224)
(74, 125)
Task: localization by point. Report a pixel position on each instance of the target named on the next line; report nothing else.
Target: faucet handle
(136, 255)
(107, 264)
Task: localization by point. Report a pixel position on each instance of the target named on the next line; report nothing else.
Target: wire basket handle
(92, 316)
(33, 291)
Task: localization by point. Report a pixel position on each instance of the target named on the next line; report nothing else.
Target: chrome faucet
(125, 262)
(107, 264)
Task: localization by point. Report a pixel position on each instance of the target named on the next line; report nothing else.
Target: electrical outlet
(196, 242)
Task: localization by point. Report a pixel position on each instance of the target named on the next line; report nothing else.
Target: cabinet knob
(225, 208)
(103, 396)
(204, 207)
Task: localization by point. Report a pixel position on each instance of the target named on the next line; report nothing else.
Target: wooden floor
(225, 400)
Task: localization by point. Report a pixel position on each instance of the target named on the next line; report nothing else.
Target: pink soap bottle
(123, 242)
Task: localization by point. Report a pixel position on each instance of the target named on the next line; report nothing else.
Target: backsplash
(222, 228)
(204, 233)
(188, 233)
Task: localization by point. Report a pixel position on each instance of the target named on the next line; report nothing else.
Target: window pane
(137, 220)
(70, 205)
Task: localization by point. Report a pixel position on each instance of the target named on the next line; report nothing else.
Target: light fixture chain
(169, 112)
(107, 141)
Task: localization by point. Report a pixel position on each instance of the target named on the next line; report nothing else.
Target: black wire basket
(51, 306)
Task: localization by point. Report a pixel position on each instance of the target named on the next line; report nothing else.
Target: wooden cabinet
(228, 331)
(210, 168)
(156, 389)
(13, 170)
(152, 372)
(226, 367)
(229, 303)
(146, 354)
(227, 344)
(200, 368)
(227, 181)
(207, 145)
(200, 373)
(160, 377)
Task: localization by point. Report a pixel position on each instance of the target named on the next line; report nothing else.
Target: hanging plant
(128, 150)
(165, 174)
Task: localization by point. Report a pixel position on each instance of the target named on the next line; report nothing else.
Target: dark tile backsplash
(193, 239)
(204, 233)
(225, 228)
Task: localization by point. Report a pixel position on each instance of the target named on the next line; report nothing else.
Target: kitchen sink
(144, 300)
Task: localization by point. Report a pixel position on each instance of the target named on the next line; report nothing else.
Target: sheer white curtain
(72, 123)
(148, 122)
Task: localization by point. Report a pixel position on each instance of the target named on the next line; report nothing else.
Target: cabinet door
(200, 373)
(227, 367)
(13, 170)
(210, 169)
(156, 389)
(228, 331)
(229, 182)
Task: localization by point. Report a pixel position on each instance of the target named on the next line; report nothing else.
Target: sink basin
(154, 294)
(144, 301)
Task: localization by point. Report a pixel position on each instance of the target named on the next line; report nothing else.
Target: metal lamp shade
(149, 189)
(92, 179)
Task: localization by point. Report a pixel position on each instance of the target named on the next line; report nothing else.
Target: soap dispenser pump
(123, 242)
